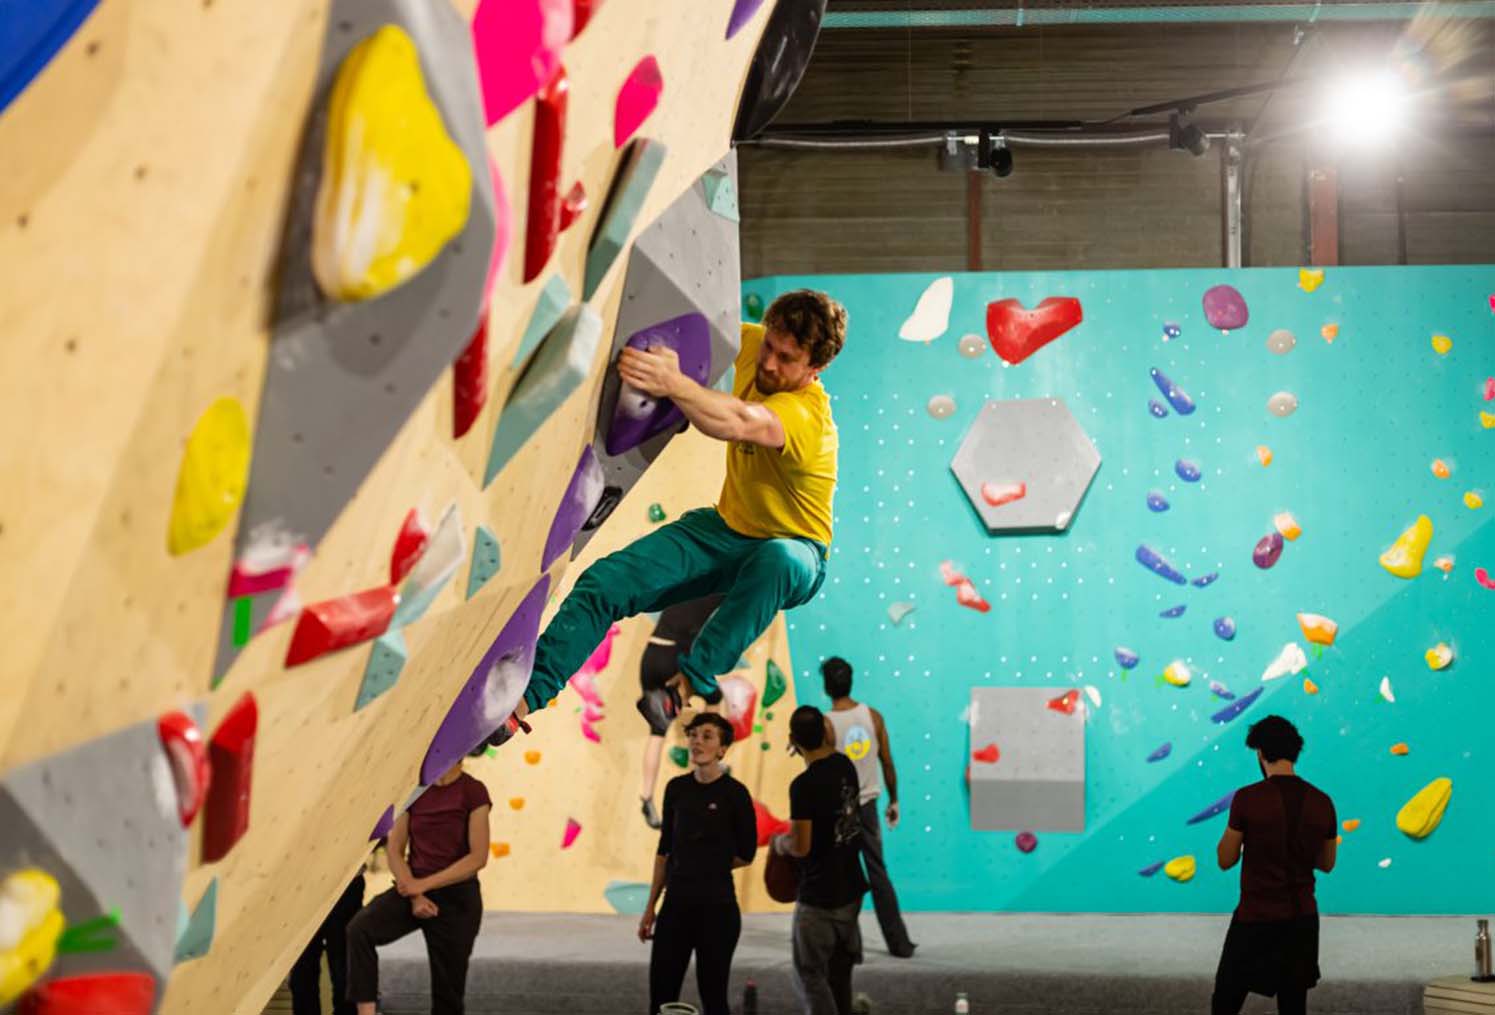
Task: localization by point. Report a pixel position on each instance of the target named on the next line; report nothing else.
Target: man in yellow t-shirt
(763, 547)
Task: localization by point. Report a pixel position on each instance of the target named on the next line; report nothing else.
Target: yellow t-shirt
(771, 494)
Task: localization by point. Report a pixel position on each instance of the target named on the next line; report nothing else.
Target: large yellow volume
(211, 479)
(1403, 558)
(1422, 814)
(395, 186)
(30, 924)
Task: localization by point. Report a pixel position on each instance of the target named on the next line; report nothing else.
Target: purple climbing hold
(1225, 308)
(1205, 580)
(1174, 611)
(1187, 471)
(581, 499)
(1157, 408)
(1220, 806)
(1225, 628)
(638, 417)
(742, 13)
(1126, 657)
(1152, 868)
(1171, 331)
(1158, 565)
(1268, 549)
(1235, 708)
(1156, 501)
(1221, 691)
(493, 690)
(1177, 397)
(1027, 842)
(384, 825)
(1161, 752)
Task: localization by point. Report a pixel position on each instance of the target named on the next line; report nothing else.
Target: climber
(763, 546)
(659, 703)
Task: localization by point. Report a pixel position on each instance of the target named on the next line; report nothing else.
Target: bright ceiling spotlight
(1366, 109)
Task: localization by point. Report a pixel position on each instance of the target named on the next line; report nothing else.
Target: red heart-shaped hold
(988, 755)
(1017, 333)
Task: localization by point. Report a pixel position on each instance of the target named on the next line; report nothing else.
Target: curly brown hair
(811, 318)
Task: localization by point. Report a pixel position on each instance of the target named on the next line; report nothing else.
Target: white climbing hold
(931, 314)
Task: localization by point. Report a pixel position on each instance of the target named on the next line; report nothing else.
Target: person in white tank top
(862, 736)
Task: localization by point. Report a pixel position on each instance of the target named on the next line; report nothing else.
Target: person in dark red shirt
(435, 892)
(1286, 829)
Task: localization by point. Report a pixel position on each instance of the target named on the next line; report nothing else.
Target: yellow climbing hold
(1318, 628)
(1473, 501)
(1177, 673)
(1441, 469)
(1420, 816)
(1263, 455)
(1287, 525)
(395, 186)
(516, 803)
(1487, 420)
(1309, 687)
(1442, 344)
(1439, 657)
(1310, 279)
(28, 934)
(211, 479)
(1180, 868)
(1403, 558)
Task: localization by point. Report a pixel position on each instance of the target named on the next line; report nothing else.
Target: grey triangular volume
(687, 260)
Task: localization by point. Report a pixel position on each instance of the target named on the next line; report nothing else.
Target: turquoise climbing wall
(1378, 403)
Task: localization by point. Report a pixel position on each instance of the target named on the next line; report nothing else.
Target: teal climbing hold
(640, 165)
(558, 369)
(626, 897)
(721, 193)
(555, 297)
(386, 660)
(197, 936)
(485, 559)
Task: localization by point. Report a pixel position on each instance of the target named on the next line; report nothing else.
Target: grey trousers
(884, 898)
(827, 944)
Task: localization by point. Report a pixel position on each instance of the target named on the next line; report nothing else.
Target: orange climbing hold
(1309, 687)
(1441, 469)
(1264, 455)
(1329, 332)
(1351, 824)
(1286, 524)
(1317, 628)
(498, 849)
(1400, 749)
(531, 757)
(516, 803)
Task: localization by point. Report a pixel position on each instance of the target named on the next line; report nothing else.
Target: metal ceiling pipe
(1019, 17)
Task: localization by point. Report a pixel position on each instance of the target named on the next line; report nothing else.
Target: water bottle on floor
(962, 1005)
(1482, 973)
(750, 999)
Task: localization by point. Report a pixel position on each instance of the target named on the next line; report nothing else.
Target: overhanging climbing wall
(1258, 487)
(301, 369)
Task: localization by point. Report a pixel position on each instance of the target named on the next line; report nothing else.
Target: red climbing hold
(409, 545)
(231, 752)
(337, 623)
(1017, 333)
(188, 755)
(988, 755)
(549, 137)
(92, 994)
(470, 380)
(574, 204)
(581, 15)
(768, 825)
(1066, 702)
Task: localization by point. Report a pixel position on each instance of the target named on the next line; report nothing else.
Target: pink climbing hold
(636, 99)
(1490, 389)
(573, 829)
(1483, 577)
(590, 733)
(1026, 842)
(518, 47)
(603, 653)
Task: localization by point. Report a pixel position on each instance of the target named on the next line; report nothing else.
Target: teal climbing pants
(696, 555)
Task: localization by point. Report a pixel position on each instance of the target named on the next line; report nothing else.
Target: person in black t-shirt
(709, 828)
(825, 833)
(1287, 829)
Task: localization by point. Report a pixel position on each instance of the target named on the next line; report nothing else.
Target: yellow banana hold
(1403, 558)
(1421, 815)
(30, 924)
(210, 481)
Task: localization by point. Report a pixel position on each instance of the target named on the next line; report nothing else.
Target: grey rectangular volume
(1038, 783)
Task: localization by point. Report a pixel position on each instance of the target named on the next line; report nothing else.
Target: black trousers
(710, 929)
(331, 937)
(449, 936)
(884, 898)
(1275, 959)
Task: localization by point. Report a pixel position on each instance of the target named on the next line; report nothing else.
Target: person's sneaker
(906, 952)
(651, 816)
(659, 707)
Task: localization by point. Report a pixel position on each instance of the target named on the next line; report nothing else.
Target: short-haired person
(659, 703)
(436, 892)
(709, 829)
(763, 546)
(1286, 829)
(862, 736)
(825, 833)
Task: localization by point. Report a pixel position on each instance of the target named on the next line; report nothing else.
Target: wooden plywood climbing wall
(153, 172)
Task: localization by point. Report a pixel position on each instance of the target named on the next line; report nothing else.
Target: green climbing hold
(754, 306)
(763, 746)
(757, 727)
(774, 685)
(243, 619)
(680, 756)
(768, 716)
(656, 514)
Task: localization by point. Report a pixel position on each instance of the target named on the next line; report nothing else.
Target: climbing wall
(308, 310)
(1244, 541)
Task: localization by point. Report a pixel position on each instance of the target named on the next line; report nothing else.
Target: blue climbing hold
(1206, 579)
(1225, 628)
(1174, 611)
(1171, 331)
(1220, 806)
(1156, 502)
(1161, 752)
(32, 32)
(1158, 565)
(1152, 869)
(1187, 470)
(1177, 397)
(1157, 408)
(1235, 708)
(1126, 657)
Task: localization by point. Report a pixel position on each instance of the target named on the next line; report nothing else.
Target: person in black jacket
(708, 830)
